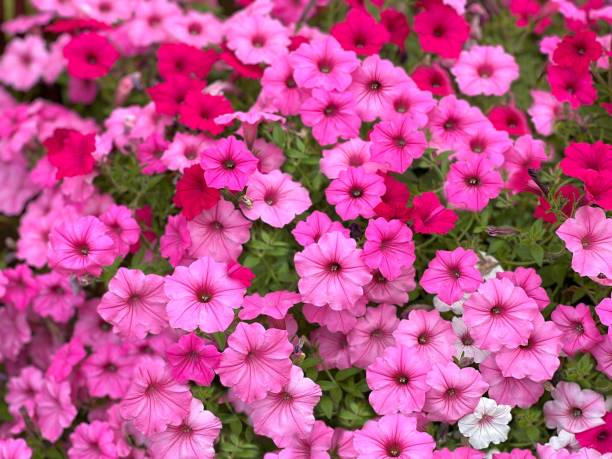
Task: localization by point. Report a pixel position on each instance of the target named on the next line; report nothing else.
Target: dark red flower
(510, 119)
(433, 79)
(429, 216)
(200, 110)
(90, 56)
(599, 438)
(570, 195)
(71, 152)
(571, 85)
(192, 194)
(69, 25)
(185, 60)
(441, 30)
(397, 25)
(360, 32)
(254, 72)
(578, 50)
(170, 95)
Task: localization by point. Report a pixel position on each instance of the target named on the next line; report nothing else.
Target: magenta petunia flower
(331, 272)
(289, 412)
(70, 152)
(202, 295)
(451, 274)
(355, 193)
(580, 331)
(487, 142)
(135, 303)
(21, 391)
(452, 120)
(255, 361)
(317, 224)
(372, 334)
(588, 235)
(603, 355)
(323, 63)
(194, 436)
(122, 227)
(54, 409)
(65, 359)
(390, 436)
(228, 164)
(199, 111)
(441, 30)
(90, 56)
(573, 85)
(429, 216)
(360, 32)
(108, 371)
(453, 392)
(93, 440)
(427, 335)
(573, 409)
(15, 448)
(275, 198)
(397, 143)
(21, 287)
(154, 399)
(398, 381)
(604, 312)
(582, 158)
(193, 358)
(529, 280)
(388, 247)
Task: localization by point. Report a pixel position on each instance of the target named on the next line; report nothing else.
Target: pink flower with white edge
(388, 247)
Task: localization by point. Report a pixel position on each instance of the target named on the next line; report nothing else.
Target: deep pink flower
(93, 440)
(331, 272)
(573, 409)
(198, 111)
(397, 25)
(20, 287)
(388, 247)
(433, 79)
(372, 334)
(135, 303)
(154, 399)
(500, 314)
(255, 361)
(569, 84)
(70, 152)
(452, 120)
(355, 193)
(65, 359)
(451, 274)
(578, 50)
(394, 435)
(508, 118)
(441, 30)
(599, 438)
(108, 371)
(582, 158)
(429, 216)
(397, 143)
(228, 164)
(529, 280)
(360, 32)
(398, 381)
(170, 95)
(17, 332)
(202, 295)
(193, 195)
(173, 58)
(579, 329)
(487, 70)
(598, 189)
(54, 409)
(309, 231)
(90, 56)
(427, 335)
(192, 358)
(588, 236)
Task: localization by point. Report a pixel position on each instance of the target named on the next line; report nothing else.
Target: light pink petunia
(529, 280)
(397, 143)
(108, 371)
(573, 409)
(193, 437)
(122, 227)
(202, 295)
(451, 274)
(289, 412)
(228, 164)
(193, 358)
(278, 84)
(155, 399)
(382, 290)
(454, 392)
(398, 381)
(390, 436)
(316, 225)
(544, 111)
(14, 448)
(312, 446)
(135, 303)
(95, 440)
(372, 334)
(56, 298)
(331, 272)
(408, 99)
(273, 304)
(355, 193)
(604, 312)
(65, 359)
(427, 335)
(388, 247)
(175, 240)
(275, 198)
(452, 120)
(335, 321)
(255, 361)
(500, 314)
(603, 355)
(16, 332)
(257, 39)
(580, 331)
(54, 409)
(353, 153)
(588, 236)
(332, 348)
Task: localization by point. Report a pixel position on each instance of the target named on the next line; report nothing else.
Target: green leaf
(537, 253)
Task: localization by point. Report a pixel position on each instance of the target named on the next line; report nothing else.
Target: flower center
(496, 310)
(290, 82)
(394, 451)
(229, 164)
(84, 250)
(576, 412)
(91, 59)
(423, 338)
(438, 31)
(450, 124)
(485, 71)
(330, 110)
(579, 327)
(375, 85)
(334, 267)
(325, 66)
(400, 142)
(467, 340)
(451, 392)
(195, 28)
(356, 192)
(402, 379)
(217, 225)
(258, 41)
(473, 181)
(110, 368)
(204, 297)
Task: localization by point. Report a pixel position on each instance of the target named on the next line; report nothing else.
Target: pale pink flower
(372, 334)
(353, 153)
(256, 361)
(580, 331)
(193, 437)
(151, 22)
(228, 164)
(487, 142)
(588, 235)
(21, 287)
(544, 111)
(219, 232)
(14, 448)
(193, 358)
(95, 440)
(185, 150)
(16, 332)
(154, 399)
(288, 412)
(452, 120)
(465, 349)
(388, 247)
(273, 304)
(22, 390)
(427, 335)
(331, 272)
(257, 39)
(398, 381)
(23, 62)
(573, 409)
(270, 156)
(202, 295)
(122, 227)
(529, 280)
(397, 143)
(355, 192)
(196, 28)
(278, 84)
(604, 312)
(54, 409)
(317, 224)
(408, 99)
(134, 303)
(108, 371)
(382, 290)
(603, 355)
(500, 314)
(527, 153)
(335, 321)
(57, 298)
(176, 239)
(454, 392)
(332, 348)
(274, 198)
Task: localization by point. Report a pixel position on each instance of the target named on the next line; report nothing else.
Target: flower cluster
(306, 229)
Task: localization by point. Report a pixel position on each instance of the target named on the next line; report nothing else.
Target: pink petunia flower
(429, 216)
(604, 312)
(453, 393)
(23, 62)
(332, 348)
(582, 158)
(257, 39)
(588, 236)
(70, 152)
(93, 440)
(603, 355)
(193, 436)
(335, 321)
(394, 435)
(134, 303)
(228, 164)
(382, 290)
(573, 409)
(273, 304)
(529, 280)
(355, 193)
(122, 227)
(202, 295)
(176, 239)
(353, 153)
(487, 142)
(255, 361)
(90, 56)
(427, 335)
(20, 287)
(451, 274)
(580, 332)
(192, 358)
(317, 224)
(372, 334)
(154, 399)
(15, 448)
(65, 359)
(17, 332)
(573, 85)
(452, 120)
(315, 444)
(441, 30)
(323, 64)
(544, 111)
(54, 409)
(278, 84)
(397, 143)
(331, 272)
(22, 390)
(199, 111)
(274, 198)
(486, 70)
(398, 381)
(359, 32)
(388, 247)
(289, 412)
(108, 371)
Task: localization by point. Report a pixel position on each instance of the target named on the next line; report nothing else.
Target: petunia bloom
(192, 358)
(388, 247)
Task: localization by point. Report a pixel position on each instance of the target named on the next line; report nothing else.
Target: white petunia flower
(562, 440)
(464, 346)
(487, 424)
